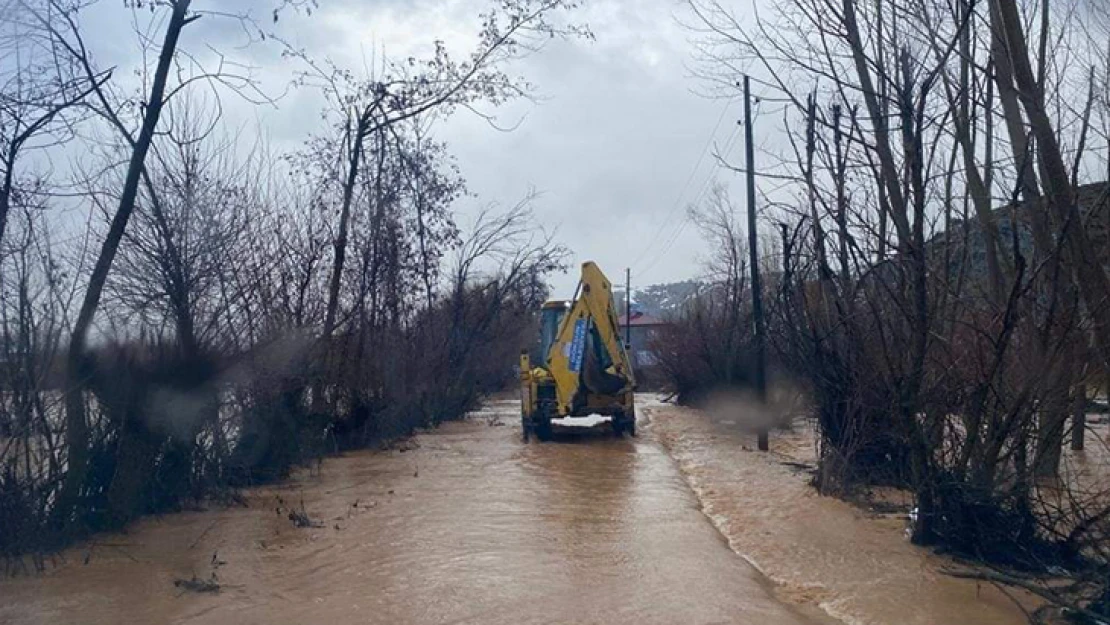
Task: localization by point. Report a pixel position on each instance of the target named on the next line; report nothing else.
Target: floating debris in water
(911, 522)
(196, 584)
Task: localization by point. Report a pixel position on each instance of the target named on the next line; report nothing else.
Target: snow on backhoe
(582, 368)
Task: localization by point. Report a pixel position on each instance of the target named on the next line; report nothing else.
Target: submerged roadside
(855, 565)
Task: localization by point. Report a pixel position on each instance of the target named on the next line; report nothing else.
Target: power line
(705, 187)
(678, 200)
(666, 247)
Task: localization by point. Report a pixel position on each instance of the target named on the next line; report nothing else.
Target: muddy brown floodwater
(852, 563)
(469, 526)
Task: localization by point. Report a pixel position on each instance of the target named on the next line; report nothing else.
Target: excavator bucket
(595, 376)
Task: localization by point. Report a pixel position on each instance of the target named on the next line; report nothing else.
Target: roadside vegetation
(182, 314)
(935, 261)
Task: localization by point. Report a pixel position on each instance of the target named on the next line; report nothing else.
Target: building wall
(640, 348)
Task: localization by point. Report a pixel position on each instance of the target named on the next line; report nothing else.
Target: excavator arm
(587, 356)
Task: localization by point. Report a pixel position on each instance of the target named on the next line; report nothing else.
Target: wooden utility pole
(628, 311)
(753, 249)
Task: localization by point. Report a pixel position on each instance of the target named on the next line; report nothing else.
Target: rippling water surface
(821, 551)
(685, 524)
(470, 526)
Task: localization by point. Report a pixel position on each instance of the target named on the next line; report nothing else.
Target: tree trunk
(6, 196)
(1079, 417)
(1051, 421)
(841, 156)
(889, 177)
(1078, 257)
(977, 186)
(76, 369)
(340, 244)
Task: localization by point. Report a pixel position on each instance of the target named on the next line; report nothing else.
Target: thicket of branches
(181, 314)
(708, 344)
(941, 218)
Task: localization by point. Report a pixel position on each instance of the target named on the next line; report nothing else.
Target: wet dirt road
(470, 526)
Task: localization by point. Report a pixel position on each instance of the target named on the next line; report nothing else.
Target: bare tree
(212, 275)
(40, 89)
(63, 27)
(948, 365)
(709, 348)
(408, 90)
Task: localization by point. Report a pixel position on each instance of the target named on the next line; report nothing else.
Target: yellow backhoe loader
(584, 368)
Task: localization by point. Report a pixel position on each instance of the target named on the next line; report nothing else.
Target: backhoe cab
(582, 367)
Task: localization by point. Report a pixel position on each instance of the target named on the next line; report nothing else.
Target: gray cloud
(611, 144)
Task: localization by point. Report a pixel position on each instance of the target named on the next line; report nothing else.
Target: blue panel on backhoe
(578, 345)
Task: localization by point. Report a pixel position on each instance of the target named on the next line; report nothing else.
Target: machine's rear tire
(542, 428)
(623, 423)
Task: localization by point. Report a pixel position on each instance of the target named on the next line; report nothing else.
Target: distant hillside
(1094, 205)
(659, 300)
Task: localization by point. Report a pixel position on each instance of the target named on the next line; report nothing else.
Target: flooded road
(469, 525)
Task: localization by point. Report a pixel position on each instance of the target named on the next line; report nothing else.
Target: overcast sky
(619, 144)
(612, 146)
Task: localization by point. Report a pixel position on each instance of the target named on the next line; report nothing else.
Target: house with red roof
(643, 329)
